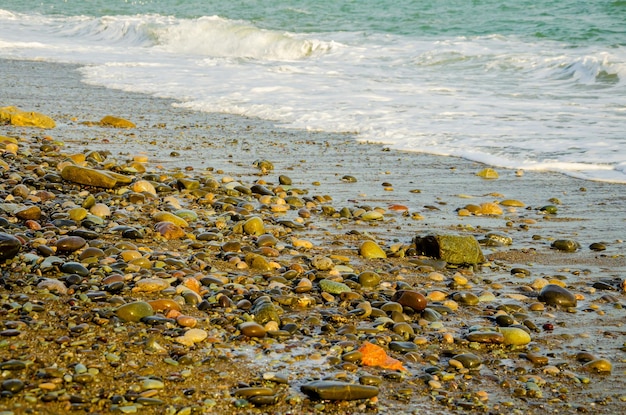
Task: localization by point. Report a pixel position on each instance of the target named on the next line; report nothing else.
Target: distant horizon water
(514, 84)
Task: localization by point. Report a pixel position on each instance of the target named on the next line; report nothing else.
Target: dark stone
(338, 391)
(557, 296)
(9, 246)
(454, 249)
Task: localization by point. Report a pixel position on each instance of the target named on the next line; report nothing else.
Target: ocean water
(518, 84)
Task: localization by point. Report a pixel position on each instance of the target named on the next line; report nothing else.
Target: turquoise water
(517, 84)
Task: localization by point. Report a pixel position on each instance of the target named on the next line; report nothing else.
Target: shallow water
(511, 84)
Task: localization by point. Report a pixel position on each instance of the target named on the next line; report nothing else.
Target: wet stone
(75, 268)
(370, 250)
(70, 243)
(411, 299)
(12, 385)
(333, 287)
(566, 245)
(369, 279)
(9, 246)
(468, 360)
(134, 311)
(338, 391)
(403, 347)
(252, 329)
(557, 296)
(490, 337)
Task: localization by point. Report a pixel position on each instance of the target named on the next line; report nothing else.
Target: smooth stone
(322, 263)
(597, 246)
(369, 279)
(333, 287)
(19, 118)
(466, 298)
(162, 216)
(134, 311)
(100, 210)
(371, 216)
(143, 186)
(411, 299)
(468, 360)
(187, 214)
(191, 337)
(9, 246)
(28, 213)
(75, 268)
(265, 311)
(254, 226)
(266, 240)
(248, 392)
(88, 177)
(252, 329)
(403, 347)
(557, 296)
(599, 366)
(566, 245)
(12, 385)
(70, 243)
(91, 252)
(169, 230)
(515, 336)
(258, 262)
(492, 337)
(338, 391)
(116, 122)
(370, 249)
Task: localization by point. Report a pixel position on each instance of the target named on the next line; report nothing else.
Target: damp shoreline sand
(352, 175)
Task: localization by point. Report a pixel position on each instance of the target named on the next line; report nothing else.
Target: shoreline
(335, 171)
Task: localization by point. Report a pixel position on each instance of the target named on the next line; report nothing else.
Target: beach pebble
(370, 249)
(338, 391)
(9, 246)
(88, 176)
(411, 299)
(254, 226)
(53, 285)
(169, 230)
(598, 366)
(143, 186)
(134, 311)
(515, 336)
(369, 279)
(116, 122)
(333, 287)
(163, 216)
(557, 296)
(70, 243)
(488, 173)
(191, 337)
(252, 329)
(566, 245)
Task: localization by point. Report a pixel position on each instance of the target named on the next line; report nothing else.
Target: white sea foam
(496, 99)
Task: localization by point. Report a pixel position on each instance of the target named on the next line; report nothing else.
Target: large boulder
(20, 118)
(454, 249)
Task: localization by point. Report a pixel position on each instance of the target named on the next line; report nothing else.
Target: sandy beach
(334, 176)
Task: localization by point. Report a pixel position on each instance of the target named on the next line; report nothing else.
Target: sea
(523, 84)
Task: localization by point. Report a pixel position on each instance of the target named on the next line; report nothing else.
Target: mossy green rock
(454, 249)
(334, 287)
(134, 311)
(88, 177)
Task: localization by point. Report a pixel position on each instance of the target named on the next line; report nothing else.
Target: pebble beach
(192, 263)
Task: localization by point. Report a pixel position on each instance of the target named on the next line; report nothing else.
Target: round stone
(515, 336)
(411, 299)
(370, 249)
(566, 245)
(9, 246)
(468, 360)
(252, 329)
(254, 226)
(557, 296)
(369, 279)
(134, 311)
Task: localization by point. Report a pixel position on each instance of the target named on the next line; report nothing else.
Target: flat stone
(88, 177)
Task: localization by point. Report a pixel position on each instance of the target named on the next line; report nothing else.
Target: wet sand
(350, 175)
